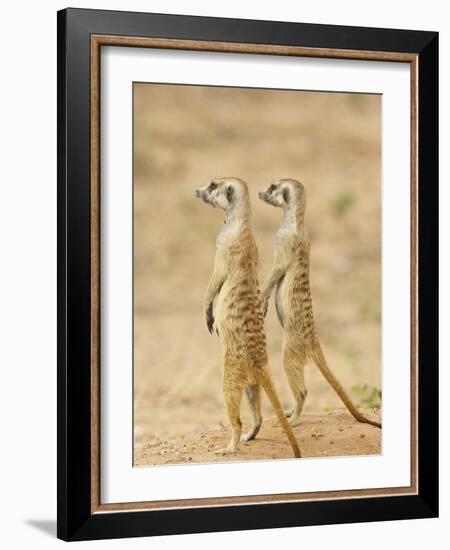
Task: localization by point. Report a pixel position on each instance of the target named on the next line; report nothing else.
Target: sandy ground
(332, 434)
(184, 136)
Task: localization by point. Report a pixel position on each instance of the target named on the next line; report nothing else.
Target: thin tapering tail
(320, 361)
(269, 388)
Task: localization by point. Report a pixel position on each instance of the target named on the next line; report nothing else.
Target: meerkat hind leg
(232, 391)
(294, 362)
(253, 393)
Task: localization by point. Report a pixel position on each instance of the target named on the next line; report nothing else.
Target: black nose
(261, 195)
(197, 192)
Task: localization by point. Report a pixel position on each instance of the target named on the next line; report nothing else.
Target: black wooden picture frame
(78, 516)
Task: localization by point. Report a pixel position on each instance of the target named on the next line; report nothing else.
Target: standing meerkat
(293, 301)
(238, 317)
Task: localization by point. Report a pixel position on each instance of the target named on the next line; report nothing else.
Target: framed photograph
(247, 257)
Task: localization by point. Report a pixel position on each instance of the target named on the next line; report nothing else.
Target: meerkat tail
(319, 359)
(269, 388)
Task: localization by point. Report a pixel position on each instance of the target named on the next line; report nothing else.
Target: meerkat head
(224, 193)
(284, 193)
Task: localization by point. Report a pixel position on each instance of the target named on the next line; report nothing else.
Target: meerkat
(293, 300)
(237, 317)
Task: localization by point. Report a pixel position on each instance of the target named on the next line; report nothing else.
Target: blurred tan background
(183, 137)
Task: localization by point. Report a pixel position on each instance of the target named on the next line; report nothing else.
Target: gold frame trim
(128, 41)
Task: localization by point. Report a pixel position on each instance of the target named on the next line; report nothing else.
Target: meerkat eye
(272, 188)
(286, 194)
(230, 193)
(212, 186)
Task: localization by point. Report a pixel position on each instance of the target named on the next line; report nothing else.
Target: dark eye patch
(272, 188)
(212, 186)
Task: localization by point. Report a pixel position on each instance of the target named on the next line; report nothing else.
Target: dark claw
(209, 318)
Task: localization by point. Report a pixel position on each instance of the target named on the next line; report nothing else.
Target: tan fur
(237, 316)
(290, 276)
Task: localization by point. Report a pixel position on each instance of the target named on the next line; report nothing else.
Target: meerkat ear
(230, 193)
(286, 194)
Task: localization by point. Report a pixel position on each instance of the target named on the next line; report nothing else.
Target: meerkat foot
(225, 451)
(294, 417)
(289, 412)
(252, 433)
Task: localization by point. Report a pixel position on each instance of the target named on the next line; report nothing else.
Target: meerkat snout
(206, 194)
